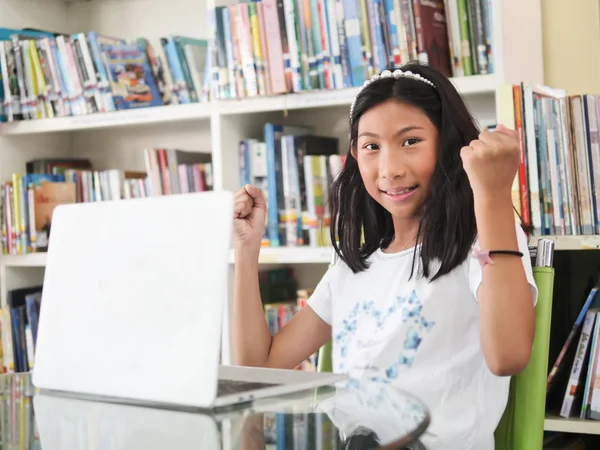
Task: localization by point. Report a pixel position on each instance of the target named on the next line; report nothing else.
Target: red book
(523, 184)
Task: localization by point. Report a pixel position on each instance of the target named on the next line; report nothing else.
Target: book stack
(556, 190)
(45, 75)
(294, 169)
(278, 46)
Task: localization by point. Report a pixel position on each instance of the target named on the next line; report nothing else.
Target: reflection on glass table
(366, 414)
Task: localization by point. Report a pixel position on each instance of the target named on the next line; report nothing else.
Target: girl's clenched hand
(249, 213)
(492, 161)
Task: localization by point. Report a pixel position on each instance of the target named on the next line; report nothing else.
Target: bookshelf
(117, 140)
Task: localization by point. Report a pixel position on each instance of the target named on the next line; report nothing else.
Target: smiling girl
(433, 288)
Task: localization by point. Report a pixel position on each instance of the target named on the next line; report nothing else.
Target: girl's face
(396, 154)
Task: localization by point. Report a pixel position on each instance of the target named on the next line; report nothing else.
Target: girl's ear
(353, 148)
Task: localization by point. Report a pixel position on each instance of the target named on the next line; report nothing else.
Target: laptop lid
(133, 298)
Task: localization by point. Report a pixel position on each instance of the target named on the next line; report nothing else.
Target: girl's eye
(409, 142)
(371, 146)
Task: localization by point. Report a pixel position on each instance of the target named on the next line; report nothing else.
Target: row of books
(556, 191)
(580, 386)
(18, 428)
(28, 200)
(294, 168)
(281, 300)
(277, 46)
(18, 329)
(46, 75)
(174, 171)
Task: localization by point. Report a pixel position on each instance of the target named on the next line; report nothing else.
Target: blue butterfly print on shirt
(409, 308)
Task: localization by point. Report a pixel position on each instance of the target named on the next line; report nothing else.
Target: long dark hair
(447, 225)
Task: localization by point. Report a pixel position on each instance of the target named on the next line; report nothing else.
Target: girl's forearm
(507, 311)
(250, 332)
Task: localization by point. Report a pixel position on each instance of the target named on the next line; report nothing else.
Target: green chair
(522, 425)
(324, 359)
(324, 356)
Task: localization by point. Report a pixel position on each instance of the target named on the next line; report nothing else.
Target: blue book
(132, 82)
(354, 43)
(32, 306)
(273, 135)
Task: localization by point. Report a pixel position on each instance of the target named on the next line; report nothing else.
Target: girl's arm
(506, 304)
(253, 345)
(505, 301)
(252, 341)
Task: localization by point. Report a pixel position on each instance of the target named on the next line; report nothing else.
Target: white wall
(47, 14)
(135, 18)
(571, 37)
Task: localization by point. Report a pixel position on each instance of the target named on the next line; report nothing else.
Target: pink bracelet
(484, 256)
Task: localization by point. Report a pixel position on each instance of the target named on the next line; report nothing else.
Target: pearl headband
(397, 74)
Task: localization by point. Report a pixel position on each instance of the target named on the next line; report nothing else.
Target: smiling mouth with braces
(403, 191)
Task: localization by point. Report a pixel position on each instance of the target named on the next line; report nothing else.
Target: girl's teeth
(404, 191)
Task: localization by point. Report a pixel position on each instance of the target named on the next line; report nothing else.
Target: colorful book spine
(582, 314)
(573, 385)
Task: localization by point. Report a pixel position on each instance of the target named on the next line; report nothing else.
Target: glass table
(350, 414)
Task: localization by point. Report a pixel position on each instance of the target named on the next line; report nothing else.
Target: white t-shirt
(422, 336)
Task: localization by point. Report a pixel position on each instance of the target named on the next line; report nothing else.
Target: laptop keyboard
(229, 387)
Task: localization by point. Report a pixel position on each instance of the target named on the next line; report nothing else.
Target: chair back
(522, 424)
(324, 358)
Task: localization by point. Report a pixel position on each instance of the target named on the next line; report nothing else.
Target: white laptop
(133, 302)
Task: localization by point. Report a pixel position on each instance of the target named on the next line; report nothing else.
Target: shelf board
(292, 255)
(287, 102)
(268, 255)
(314, 255)
(142, 116)
(476, 84)
(572, 425)
(30, 260)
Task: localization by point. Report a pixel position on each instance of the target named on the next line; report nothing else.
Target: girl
(433, 289)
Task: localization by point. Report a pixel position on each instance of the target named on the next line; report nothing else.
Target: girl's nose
(391, 164)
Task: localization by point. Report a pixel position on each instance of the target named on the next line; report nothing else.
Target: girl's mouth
(399, 195)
